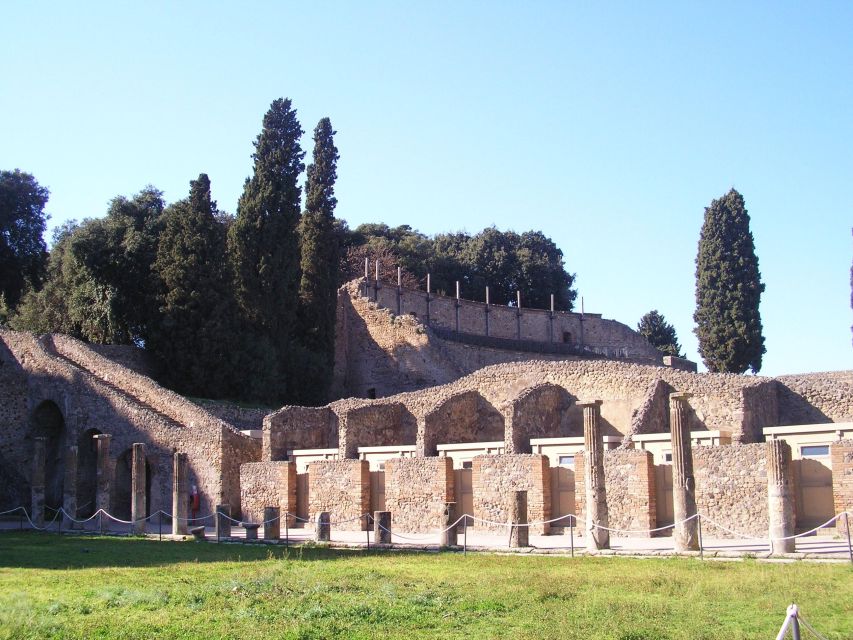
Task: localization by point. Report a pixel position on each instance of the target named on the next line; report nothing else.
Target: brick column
(780, 500)
(104, 476)
(37, 482)
(180, 494)
(137, 491)
(596, 496)
(685, 534)
(69, 492)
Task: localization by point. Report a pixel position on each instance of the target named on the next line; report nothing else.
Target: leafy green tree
(263, 244)
(195, 325)
(728, 289)
(659, 333)
(23, 254)
(320, 259)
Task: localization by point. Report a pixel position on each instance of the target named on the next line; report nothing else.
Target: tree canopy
(728, 289)
(660, 334)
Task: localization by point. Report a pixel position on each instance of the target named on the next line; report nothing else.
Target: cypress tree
(194, 329)
(263, 244)
(320, 259)
(728, 289)
(660, 334)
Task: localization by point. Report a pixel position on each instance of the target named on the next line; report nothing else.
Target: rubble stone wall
(842, 480)
(267, 484)
(341, 487)
(416, 490)
(495, 478)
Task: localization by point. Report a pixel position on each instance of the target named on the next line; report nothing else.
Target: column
(323, 528)
(180, 495)
(272, 523)
(37, 482)
(685, 534)
(780, 502)
(223, 521)
(137, 490)
(69, 493)
(448, 535)
(104, 476)
(382, 527)
(520, 533)
(596, 495)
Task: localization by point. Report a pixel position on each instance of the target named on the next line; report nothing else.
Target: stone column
(382, 527)
(272, 520)
(180, 495)
(596, 495)
(104, 476)
(223, 521)
(519, 535)
(137, 490)
(323, 529)
(780, 500)
(69, 492)
(37, 482)
(685, 534)
(448, 535)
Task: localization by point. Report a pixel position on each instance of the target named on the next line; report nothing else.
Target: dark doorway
(123, 486)
(47, 422)
(87, 473)
(567, 337)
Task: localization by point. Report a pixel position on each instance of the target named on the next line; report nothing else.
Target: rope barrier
(813, 631)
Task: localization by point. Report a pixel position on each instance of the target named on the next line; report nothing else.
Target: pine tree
(195, 328)
(320, 255)
(660, 334)
(263, 243)
(728, 289)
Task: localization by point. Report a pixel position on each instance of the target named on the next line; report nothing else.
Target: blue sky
(609, 126)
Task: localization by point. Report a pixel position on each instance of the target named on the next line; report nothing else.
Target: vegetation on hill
(728, 289)
(660, 334)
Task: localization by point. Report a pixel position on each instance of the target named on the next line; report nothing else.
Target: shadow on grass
(37, 550)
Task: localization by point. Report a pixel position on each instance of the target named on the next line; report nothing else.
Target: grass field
(85, 587)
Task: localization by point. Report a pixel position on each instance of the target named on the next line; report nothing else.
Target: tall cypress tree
(320, 254)
(263, 244)
(728, 289)
(194, 329)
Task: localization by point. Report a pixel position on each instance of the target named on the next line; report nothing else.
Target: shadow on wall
(460, 419)
(796, 409)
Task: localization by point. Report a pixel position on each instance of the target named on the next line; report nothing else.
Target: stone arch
(122, 487)
(461, 418)
(540, 411)
(375, 425)
(47, 421)
(87, 472)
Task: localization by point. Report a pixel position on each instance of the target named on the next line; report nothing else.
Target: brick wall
(842, 479)
(416, 490)
(629, 481)
(495, 479)
(341, 487)
(267, 484)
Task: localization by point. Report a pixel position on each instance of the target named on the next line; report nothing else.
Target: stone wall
(416, 490)
(496, 478)
(814, 398)
(267, 484)
(298, 428)
(842, 481)
(731, 488)
(629, 481)
(341, 487)
(243, 418)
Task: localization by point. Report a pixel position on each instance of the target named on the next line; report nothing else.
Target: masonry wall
(237, 449)
(298, 428)
(731, 489)
(341, 487)
(629, 482)
(416, 490)
(842, 481)
(267, 484)
(815, 398)
(495, 479)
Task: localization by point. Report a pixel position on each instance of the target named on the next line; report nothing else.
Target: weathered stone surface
(342, 489)
(382, 527)
(265, 484)
(841, 453)
(223, 521)
(780, 497)
(180, 494)
(686, 530)
(519, 536)
(417, 490)
(272, 523)
(495, 479)
(595, 495)
(137, 492)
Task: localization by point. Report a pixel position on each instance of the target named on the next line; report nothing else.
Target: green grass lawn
(88, 587)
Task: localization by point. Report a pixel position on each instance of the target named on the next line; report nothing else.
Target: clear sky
(608, 126)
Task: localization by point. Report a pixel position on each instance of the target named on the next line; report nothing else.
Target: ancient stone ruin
(446, 407)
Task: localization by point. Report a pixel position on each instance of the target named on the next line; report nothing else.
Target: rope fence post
(160, 525)
(699, 528)
(286, 528)
(465, 537)
(572, 533)
(367, 529)
(847, 526)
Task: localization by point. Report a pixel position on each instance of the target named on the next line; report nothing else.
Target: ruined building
(442, 401)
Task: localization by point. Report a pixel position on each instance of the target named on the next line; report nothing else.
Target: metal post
(160, 525)
(465, 538)
(367, 529)
(847, 526)
(572, 533)
(100, 524)
(699, 526)
(286, 529)
(795, 622)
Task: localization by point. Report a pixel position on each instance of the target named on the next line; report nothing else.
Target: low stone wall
(416, 490)
(816, 397)
(267, 484)
(841, 454)
(629, 481)
(731, 488)
(495, 478)
(341, 487)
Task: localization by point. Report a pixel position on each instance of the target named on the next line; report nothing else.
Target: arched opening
(87, 473)
(47, 422)
(123, 486)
